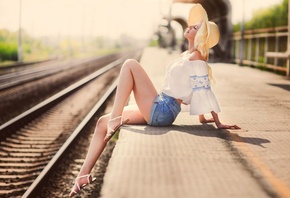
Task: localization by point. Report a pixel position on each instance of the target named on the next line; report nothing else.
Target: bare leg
(132, 77)
(97, 144)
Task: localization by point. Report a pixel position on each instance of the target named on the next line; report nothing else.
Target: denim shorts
(164, 110)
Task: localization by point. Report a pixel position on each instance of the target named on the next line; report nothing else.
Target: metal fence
(263, 48)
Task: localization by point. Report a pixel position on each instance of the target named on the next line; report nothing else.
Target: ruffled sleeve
(203, 99)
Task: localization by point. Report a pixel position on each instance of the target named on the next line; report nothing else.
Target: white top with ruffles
(189, 81)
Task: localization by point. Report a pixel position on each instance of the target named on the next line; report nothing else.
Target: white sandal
(111, 132)
(73, 192)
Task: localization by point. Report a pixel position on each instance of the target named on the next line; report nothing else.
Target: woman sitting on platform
(187, 82)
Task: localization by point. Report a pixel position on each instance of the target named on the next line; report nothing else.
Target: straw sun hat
(197, 14)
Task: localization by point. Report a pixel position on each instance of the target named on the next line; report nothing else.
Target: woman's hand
(220, 125)
(225, 126)
(203, 120)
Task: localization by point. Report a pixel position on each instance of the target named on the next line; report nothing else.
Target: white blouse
(189, 81)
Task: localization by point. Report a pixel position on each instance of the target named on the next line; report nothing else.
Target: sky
(138, 18)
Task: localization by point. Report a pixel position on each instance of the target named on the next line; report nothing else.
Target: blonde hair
(200, 40)
(211, 79)
(201, 44)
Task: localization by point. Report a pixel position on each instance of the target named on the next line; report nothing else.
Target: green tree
(8, 46)
(273, 16)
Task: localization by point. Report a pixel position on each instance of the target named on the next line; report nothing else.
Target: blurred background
(73, 28)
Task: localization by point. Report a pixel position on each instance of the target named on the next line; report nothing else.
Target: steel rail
(36, 185)
(42, 71)
(5, 128)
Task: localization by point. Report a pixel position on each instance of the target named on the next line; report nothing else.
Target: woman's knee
(129, 63)
(101, 124)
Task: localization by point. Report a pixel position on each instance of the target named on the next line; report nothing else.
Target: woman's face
(191, 31)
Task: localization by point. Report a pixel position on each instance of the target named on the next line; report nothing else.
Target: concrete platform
(190, 160)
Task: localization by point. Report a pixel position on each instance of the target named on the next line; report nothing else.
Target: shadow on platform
(283, 86)
(204, 130)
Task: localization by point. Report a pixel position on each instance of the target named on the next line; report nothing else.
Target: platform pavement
(189, 160)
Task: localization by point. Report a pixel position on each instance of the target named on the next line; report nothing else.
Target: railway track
(27, 73)
(33, 143)
(37, 82)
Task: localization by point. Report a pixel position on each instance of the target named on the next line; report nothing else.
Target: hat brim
(214, 34)
(197, 14)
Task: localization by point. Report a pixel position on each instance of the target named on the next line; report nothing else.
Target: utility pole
(19, 35)
(242, 35)
(288, 46)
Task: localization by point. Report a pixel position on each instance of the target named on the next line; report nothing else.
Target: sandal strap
(75, 191)
(79, 177)
(113, 119)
